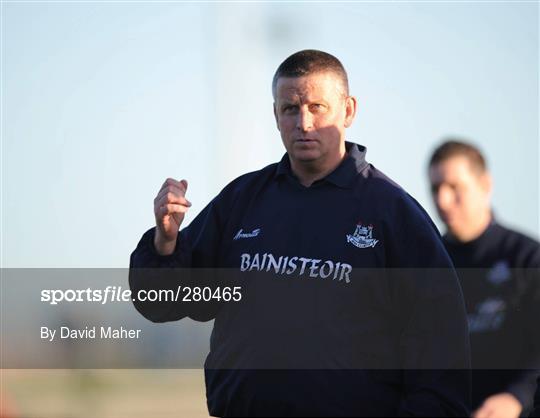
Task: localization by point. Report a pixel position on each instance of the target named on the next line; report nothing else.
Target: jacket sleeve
(196, 247)
(434, 340)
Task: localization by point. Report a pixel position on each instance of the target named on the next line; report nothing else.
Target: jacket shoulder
(393, 199)
(525, 248)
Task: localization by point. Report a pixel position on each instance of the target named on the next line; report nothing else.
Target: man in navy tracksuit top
(499, 274)
(350, 305)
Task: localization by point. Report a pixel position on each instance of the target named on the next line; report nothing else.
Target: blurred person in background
(310, 334)
(498, 271)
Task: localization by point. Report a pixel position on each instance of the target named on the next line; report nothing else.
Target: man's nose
(304, 121)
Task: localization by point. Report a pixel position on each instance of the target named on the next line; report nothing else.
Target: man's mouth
(447, 217)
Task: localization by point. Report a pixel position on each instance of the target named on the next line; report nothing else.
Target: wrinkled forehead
(318, 86)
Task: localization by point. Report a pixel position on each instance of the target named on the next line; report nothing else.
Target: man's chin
(453, 230)
(305, 156)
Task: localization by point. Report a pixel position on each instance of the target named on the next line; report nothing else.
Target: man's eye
(289, 109)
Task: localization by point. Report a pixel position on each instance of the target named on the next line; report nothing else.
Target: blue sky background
(102, 101)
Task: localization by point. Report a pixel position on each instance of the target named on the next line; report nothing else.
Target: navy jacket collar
(344, 175)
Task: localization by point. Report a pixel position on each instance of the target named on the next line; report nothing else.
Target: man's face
(312, 113)
(460, 193)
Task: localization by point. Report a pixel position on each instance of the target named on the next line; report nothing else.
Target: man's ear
(486, 183)
(350, 110)
(276, 115)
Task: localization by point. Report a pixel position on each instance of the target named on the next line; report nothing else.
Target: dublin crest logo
(362, 237)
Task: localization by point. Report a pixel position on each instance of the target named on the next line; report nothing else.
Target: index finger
(182, 184)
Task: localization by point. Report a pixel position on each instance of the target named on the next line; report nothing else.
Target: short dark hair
(310, 61)
(453, 147)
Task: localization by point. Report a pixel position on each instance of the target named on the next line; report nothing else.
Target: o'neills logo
(298, 266)
(242, 234)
